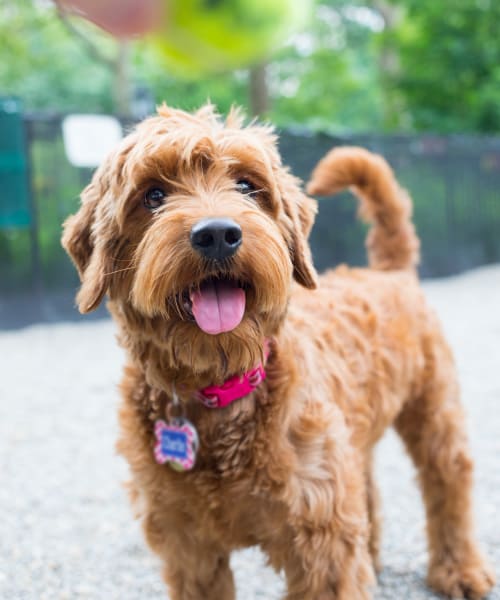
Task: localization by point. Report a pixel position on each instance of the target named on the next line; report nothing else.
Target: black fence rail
(454, 182)
(455, 185)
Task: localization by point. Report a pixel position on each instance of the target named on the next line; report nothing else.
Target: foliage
(326, 79)
(449, 71)
(435, 66)
(323, 78)
(45, 66)
(359, 65)
(222, 89)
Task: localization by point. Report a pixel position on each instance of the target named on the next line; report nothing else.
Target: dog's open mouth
(217, 305)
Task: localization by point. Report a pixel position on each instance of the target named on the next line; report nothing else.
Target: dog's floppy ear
(301, 211)
(90, 252)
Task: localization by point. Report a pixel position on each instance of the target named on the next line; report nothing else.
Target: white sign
(88, 139)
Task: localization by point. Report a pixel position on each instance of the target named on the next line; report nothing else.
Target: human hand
(121, 18)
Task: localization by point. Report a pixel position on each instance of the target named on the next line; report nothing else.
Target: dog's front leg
(325, 554)
(194, 568)
(208, 578)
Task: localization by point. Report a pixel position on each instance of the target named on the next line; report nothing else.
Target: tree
(358, 65)
(449, 77)
(52, 67)
(326, 79)
(45, 66)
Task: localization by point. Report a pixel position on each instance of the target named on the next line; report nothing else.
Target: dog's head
(194, 221)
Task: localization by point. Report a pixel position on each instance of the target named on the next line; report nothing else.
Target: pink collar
(234, 388)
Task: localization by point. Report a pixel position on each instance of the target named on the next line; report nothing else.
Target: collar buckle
(234, 388)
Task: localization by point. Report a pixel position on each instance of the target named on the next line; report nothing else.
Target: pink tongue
(218, 306)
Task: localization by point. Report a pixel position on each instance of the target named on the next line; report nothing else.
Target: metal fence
(455, 185)
(454, 182)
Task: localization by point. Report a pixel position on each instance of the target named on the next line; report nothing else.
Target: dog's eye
(246, 187)
(154, 198)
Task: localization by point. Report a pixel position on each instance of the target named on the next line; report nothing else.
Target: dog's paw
(465, 579)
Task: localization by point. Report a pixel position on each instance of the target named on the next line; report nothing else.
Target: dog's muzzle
(216, 239)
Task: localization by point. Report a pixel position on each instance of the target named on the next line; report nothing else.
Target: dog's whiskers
(178, 306)
(119, 270)
(176, 301)
(254, 193)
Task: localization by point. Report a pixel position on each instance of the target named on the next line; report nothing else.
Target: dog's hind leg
(433, 429)
(374, 516)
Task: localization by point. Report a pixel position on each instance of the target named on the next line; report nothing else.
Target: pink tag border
(161, 458)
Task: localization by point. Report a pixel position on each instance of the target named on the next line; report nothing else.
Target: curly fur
(288, 467)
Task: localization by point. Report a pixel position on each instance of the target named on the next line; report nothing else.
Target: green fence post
(14, 192)
(17, 203)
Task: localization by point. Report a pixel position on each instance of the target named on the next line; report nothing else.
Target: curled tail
(392, 242)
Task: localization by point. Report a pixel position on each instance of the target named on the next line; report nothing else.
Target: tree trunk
(388, 63)
(122, 88)
(259, 95)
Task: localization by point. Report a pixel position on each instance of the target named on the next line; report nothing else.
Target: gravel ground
(66, 529)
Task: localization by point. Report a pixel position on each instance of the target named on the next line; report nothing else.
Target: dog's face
(194, 222)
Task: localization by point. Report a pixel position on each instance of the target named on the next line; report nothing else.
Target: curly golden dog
(254, 390)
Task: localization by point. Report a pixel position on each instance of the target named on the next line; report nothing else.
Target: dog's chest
(231, 479)
(238, 513)
(232, 439)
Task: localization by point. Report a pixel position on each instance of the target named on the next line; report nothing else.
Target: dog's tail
(392, 242)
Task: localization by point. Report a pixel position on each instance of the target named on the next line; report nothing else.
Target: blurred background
(406, 78)
(416, 80)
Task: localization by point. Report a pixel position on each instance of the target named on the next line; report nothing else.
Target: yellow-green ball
(207, 36)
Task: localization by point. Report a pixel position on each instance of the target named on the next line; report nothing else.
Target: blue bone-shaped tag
(176, 444)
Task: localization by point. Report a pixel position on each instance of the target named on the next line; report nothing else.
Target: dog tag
(176, 444)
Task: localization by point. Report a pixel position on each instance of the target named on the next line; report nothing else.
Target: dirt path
(66, 530)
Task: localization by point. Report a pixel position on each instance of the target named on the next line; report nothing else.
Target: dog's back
(374, 321)
(390, 364)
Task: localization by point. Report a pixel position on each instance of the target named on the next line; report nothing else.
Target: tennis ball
(207, 36)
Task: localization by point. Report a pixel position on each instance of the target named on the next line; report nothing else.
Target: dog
(255, 390)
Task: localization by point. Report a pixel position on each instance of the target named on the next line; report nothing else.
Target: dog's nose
(216, 238)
